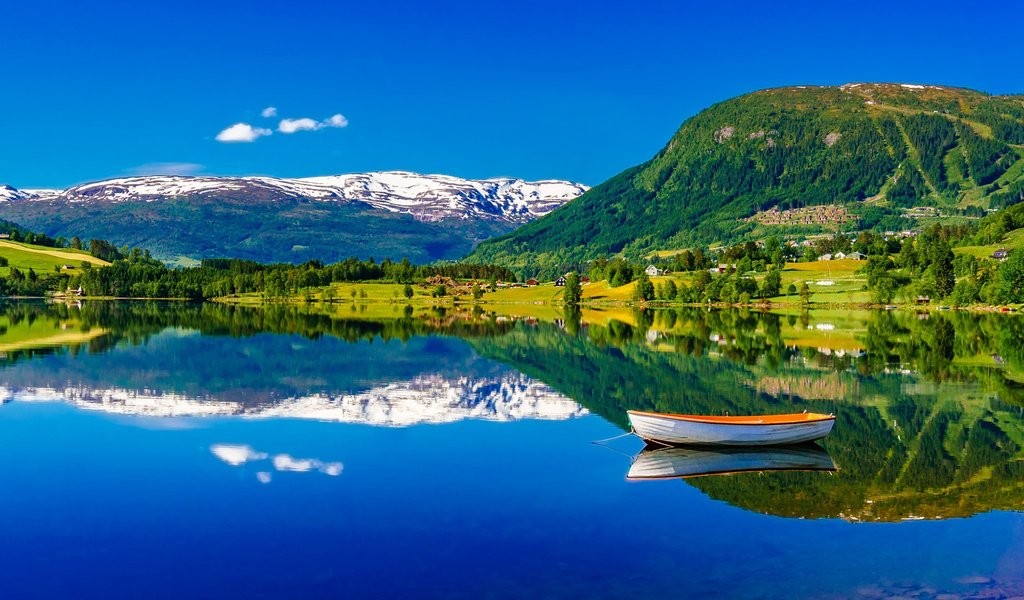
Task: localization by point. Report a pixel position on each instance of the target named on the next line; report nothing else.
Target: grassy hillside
(41, 258)
(872, 150)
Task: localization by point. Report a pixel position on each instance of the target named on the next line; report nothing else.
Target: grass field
(43, 333)
(1013, 240)
(42, 259)
(831, 282)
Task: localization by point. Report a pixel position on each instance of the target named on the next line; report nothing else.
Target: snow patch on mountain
(8, 193)
(426, 197)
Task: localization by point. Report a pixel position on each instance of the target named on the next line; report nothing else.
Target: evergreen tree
(573, 289)
(671, 291)
(1010, 281)
(805, 293)
(945, 278)
(772, 284)
(644, 290)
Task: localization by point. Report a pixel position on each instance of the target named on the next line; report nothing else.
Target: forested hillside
(873, 150)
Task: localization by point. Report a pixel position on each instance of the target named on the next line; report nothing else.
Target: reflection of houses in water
(841, 352)
(900, 370)
(826, 351)
(827, 386)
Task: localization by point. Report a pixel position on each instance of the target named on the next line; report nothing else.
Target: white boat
(697, 461)
(758, 430)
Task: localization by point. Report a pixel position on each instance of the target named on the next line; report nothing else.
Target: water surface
(170, 450)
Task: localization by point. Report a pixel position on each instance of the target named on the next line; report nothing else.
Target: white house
(839, 256)
(856, 256)
(825, 257)
(652, 271)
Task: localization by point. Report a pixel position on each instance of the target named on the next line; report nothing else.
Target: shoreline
(253, 300)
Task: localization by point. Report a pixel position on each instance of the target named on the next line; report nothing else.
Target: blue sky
(477, 89)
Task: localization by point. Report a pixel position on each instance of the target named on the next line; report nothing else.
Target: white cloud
(166, 168)
(333, 469)
(307, 124)
(242, 132)
(236, 454)
(293, 125)
(268, 112)
(285, 462)
(337, 120)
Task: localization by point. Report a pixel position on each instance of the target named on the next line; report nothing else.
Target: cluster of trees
(986, 158)
(98, 248)
(26, 282)
(730, 287)
(933, 136)
(926, 267)
(1004, 116)
(138, 275)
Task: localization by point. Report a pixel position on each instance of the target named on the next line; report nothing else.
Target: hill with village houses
(794, 162)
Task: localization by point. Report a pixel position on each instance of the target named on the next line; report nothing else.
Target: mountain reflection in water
(929, 420)
(156, 365)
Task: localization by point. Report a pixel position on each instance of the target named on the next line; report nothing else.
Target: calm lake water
(180, 451)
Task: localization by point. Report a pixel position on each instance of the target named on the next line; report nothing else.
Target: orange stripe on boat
(742, 420)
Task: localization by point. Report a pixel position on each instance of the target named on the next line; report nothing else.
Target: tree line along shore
(941, 266)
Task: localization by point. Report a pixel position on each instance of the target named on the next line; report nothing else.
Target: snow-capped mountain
(425, 197)
(424, 399)
(392, 214)
(10, 193)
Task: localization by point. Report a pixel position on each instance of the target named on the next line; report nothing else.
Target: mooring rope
(612, 439)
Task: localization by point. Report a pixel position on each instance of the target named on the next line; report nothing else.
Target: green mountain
(793, 160)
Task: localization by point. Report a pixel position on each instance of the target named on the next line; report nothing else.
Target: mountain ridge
(390, 213)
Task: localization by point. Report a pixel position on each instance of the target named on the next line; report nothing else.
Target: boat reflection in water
(696, 461)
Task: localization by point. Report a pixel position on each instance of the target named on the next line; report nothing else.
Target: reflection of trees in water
(928, 415)
(927, 429)
(136, 322)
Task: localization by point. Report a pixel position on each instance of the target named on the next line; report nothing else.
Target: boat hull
(677, 430)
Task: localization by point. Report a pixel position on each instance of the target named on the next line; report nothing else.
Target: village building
(825, 257)
(560, 281)
(531, 282)
(856, 256)
(652, 271)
